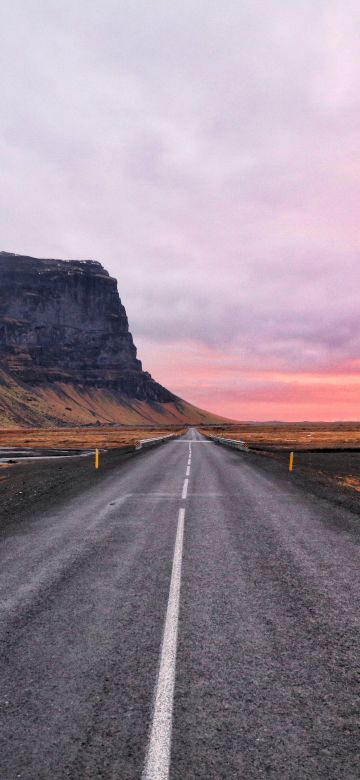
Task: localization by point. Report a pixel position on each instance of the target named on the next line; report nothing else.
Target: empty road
(191, 615)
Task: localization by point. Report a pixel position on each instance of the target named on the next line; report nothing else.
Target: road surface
(191, 615)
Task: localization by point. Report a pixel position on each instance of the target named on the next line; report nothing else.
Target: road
(185, 620)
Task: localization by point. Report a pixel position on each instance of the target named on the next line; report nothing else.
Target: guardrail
(141, 444)
(153, 442)
(236, 444)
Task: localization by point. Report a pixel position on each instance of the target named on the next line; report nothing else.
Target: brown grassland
(303, 436)
(326, 452)
(81, 438)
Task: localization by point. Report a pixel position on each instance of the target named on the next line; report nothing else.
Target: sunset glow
(251, 394)
(215, 174)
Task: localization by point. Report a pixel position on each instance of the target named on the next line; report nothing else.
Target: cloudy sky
(208, 153)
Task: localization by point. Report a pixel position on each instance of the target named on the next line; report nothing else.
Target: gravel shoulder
(316, 472)
(31, 487)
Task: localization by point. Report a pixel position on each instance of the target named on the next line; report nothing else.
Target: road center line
(185, 488)
(188, 471)
(157, 764)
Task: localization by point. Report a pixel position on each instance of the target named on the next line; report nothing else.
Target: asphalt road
(182, 620)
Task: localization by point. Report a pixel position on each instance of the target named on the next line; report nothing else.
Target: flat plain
(292, 436)
(326, 453)
(82, 438)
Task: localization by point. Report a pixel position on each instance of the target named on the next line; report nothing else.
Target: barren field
(304, 436)
(80, 438)
(338, 467)
(328, 453)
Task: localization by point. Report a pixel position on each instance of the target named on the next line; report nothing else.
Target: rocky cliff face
(63, 321)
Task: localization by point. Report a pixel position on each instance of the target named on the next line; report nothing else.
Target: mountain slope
(59, 403)
(66, 353)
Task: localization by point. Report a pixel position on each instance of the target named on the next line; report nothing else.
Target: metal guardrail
(153, 442)
(236, 444)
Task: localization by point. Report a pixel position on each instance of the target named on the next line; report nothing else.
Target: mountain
(66, 353)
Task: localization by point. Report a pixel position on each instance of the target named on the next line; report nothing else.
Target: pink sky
(256, 394)
(208, 154)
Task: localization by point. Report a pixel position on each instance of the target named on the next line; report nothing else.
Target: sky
(208, 154)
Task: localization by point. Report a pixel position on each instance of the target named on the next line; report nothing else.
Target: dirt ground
(26, 488)
(341, 468)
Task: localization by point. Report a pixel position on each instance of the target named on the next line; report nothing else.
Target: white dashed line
(185, 489)
(157, 764)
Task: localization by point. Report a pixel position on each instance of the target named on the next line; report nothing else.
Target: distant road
(191, 615)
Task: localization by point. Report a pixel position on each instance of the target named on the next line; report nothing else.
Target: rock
(63, 321)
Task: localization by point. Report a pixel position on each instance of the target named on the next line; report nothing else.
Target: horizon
(214, 176)
(253, 420)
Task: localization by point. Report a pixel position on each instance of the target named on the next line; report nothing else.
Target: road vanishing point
(188, 615)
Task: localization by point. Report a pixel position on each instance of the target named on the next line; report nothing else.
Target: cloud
(208, 154)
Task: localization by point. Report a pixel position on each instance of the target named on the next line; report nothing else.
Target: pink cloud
(211, 380)
(215, 174)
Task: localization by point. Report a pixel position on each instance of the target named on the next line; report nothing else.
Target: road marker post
(97, 459)
(291, 461)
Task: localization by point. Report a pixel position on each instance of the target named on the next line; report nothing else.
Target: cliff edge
(66, 352)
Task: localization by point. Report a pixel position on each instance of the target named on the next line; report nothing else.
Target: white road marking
(154, 495)
(185, 488)
(157, 764)
(188, 471)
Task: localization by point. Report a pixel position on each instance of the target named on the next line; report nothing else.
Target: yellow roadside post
(96, 458)
(291, 462)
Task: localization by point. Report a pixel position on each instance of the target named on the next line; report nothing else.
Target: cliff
(66, 353)
(64, 321)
